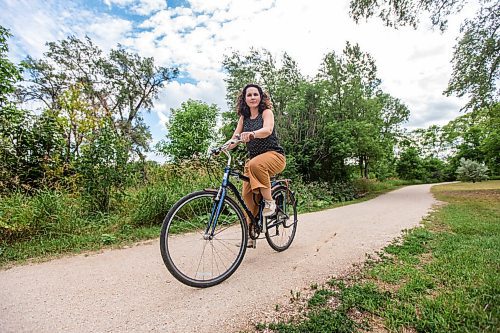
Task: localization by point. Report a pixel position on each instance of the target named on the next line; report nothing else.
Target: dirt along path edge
(130, 290)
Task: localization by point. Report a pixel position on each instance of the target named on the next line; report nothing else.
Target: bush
(409, 165)
(471, 171)
(316, 195)
(363, 186)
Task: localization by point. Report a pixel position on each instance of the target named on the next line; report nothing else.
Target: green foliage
(409, 165)
(320, 297)
(11, 118)
(324, 320)
(103, 166)
(432, 142)
(476, 59)
(152, 204)
(321, 123)
(191, 129)
(46, 212)
(9, 73)
(107, 239)
(406, 12)
(471, 171)
(80, 84)
(317, 195)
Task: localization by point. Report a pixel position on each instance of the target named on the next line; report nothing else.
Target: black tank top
(258, 146)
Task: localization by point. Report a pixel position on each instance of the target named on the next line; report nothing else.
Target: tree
(476, 59)
(477, 55)
(191, 129)
(9, 73)
(409, 165)
(431, 141)
(491, 143)
(397, 13)
(326, 122)
(362, 120)
(120, 86)
(13, 135)
(78, 121)
(103, 165)
(471, 171)
(434, 170)
(475, 136)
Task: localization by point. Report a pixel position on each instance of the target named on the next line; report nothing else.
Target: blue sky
(194, 35)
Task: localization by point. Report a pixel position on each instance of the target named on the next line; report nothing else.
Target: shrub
(409, 165)
(363, 186)
(321, 194)
(16, 216)
(471, 171)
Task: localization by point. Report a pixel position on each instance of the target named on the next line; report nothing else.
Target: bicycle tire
(177, 251)
(282, 226)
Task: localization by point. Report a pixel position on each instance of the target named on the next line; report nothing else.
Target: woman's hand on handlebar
(228, 145)
(247, 136)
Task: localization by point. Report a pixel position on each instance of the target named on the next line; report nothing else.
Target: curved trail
(130, 290)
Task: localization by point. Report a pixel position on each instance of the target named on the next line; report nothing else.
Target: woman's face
(252, 97)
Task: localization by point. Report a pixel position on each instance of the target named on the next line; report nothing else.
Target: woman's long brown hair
(244, 110)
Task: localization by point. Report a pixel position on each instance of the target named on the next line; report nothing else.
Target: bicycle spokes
(194, 258)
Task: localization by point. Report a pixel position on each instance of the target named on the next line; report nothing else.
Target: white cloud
(108, 31)
(141, 7)
(33, 24)
(204, 6)
(175, 93)
(121, 3)
(146, 7)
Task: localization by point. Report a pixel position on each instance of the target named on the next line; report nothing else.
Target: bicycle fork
(217, 207)
(214, 215)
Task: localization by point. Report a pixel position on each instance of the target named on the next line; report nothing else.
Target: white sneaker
(269, 208)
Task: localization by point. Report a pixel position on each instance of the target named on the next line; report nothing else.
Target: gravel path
(130, 290)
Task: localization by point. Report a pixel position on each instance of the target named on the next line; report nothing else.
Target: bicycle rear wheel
(282, 226)
(193, 260)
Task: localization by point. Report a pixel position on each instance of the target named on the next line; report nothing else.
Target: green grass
(443, 277)
(45, 246)
(322, 320)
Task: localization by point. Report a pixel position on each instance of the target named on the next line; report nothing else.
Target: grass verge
(442, 277)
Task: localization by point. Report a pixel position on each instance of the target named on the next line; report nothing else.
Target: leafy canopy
(191, 129)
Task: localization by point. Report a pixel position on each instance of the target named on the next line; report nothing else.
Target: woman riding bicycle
(202, 230)
(267, 158)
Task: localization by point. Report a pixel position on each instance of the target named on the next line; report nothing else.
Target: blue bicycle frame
(219, 201)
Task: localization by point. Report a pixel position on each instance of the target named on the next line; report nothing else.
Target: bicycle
(204, 235)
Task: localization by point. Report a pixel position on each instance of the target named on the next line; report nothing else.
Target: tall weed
(151, 204)
(47, 211)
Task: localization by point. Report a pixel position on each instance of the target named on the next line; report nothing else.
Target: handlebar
(224, 148)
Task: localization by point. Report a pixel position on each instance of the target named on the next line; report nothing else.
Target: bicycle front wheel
(193, 259)
(282, 226)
